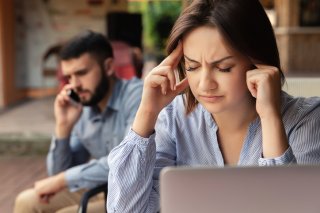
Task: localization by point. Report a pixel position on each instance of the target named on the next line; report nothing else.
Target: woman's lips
(210, 98)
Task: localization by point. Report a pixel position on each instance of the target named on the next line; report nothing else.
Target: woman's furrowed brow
(214, 62)
(191, 60)
(222, 59)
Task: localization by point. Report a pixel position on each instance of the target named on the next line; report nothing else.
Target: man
(85, 132)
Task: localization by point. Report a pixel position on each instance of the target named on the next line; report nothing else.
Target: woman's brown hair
(243, 24)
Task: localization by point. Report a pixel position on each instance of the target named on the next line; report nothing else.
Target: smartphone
(73, 95)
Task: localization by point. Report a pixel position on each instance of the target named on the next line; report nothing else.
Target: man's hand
(48, 187)
(66, 113)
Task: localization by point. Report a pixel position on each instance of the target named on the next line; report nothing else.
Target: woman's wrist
(274, 138)
(144, 122)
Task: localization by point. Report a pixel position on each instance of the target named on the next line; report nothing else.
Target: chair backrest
(92, 192)
(53, 71)
(127, 61)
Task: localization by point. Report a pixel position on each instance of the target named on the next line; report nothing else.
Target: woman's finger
(174, 57)
(252, 86)
(164, 86)
(264, 76)
(166, 71)
(266, 67)
(172, 79)
(157, 80)
(161, 70)
(181, 86)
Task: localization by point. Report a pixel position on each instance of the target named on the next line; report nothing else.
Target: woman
(233, 111)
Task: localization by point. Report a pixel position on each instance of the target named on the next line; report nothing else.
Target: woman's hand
(159, 90)
(264, 83)
(160, 84)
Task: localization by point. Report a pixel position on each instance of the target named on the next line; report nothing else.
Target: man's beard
(99, 92)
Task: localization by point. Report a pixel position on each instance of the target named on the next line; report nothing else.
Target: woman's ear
(108, 66)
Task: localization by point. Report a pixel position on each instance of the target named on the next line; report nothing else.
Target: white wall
(40, 24)
(302, 86)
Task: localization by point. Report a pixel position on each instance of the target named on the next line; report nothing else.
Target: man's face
(87, 78)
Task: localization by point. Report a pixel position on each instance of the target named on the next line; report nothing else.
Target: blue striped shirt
(93, 137)
(192, 141)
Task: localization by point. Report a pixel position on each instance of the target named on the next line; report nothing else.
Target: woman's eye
(224, 69)
(189, 69)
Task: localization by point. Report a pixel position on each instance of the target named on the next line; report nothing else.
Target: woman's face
(216, 73)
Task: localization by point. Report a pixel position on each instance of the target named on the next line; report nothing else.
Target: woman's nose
(207, 80)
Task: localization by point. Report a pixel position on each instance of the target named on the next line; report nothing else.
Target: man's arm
(88, 175)
(48, 187)
(65, 146)
(65, 153)
(94, 173)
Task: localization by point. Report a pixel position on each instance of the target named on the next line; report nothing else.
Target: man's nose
(74, 81)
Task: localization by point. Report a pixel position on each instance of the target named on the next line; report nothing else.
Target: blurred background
(31, 32)
(31, 29)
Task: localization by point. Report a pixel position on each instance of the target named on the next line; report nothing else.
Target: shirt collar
(212, 123)
(113, 102)
(208, 117)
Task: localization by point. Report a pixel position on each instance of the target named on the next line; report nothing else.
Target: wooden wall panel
(9, 93)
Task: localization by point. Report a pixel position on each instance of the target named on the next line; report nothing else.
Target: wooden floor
(17, 174)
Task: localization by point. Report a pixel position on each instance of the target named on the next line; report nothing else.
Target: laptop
(291, 189)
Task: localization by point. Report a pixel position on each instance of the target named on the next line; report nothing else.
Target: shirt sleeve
(135, 167)
(88, 175)
(130, 185)
(65, 153)
(286, 158)
(303, 137)
(70, 156)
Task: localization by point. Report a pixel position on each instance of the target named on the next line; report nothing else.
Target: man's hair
(96, 44)
(243, 24)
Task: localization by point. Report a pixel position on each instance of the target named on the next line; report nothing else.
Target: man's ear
(108, 66)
